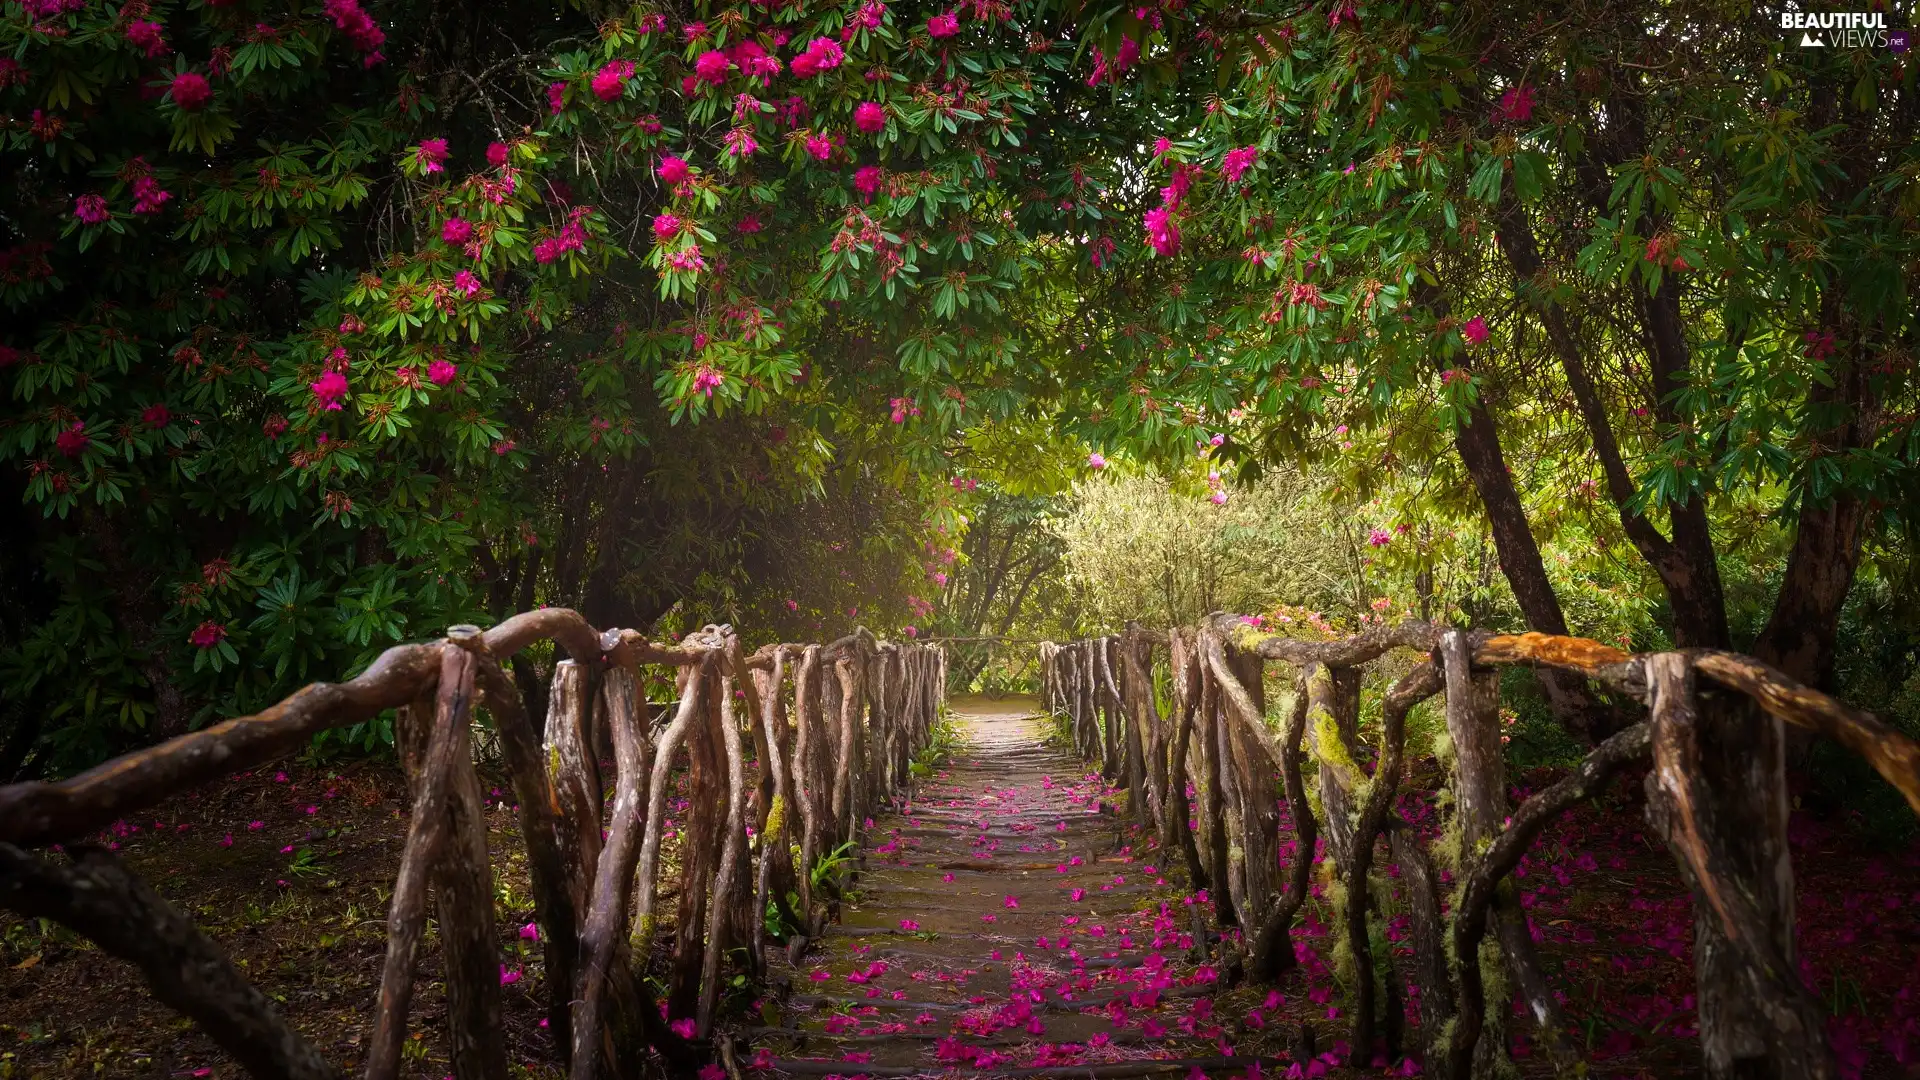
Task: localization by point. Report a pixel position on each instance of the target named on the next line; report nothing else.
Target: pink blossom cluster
(1516, 105)
(687, 260)
(611, 80)
(707, 379)
(360, 29)
(431, 155)
(148, 195)
(73, 440)
(190, 91)
(821, 54)
(1109, 69)
(944, 25)
(1216, 487)
(674, 170)
(1163, 231)
(571, 237)
(48, 9)
(145, 35)
(1237, 162)
(903, 409)
(91, 210)
(329, 391)
(870, 17)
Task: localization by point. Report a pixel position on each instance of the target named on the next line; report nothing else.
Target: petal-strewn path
(1009, 919)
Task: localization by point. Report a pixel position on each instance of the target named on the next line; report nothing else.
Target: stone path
(1009, 921)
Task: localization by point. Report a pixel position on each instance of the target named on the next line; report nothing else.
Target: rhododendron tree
(383, 312)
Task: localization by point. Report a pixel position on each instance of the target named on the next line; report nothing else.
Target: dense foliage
(331, 325)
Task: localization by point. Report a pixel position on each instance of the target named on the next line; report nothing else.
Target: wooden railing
(860, 710)
(1713, 731)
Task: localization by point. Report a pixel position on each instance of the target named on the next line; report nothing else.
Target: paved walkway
(1010, 918)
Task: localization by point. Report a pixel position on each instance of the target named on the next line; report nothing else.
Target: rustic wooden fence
(1713, 729)
(834, 728)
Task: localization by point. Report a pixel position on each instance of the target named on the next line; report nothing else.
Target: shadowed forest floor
(1014, 881)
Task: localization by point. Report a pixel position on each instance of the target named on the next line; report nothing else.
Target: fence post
(574, 777)
(1717, 793)
(464, 895)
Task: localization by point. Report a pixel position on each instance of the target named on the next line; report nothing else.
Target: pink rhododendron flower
(442, 372)
(694, 31)
(556, 96)
(496, 154)
(148, 195)
(1096, 461)
(1515, 105)
(870, 117)
(509, 976)
(706, 380)
(665, 227)
(91, 209)
(684, 1027)
(1379, 538)
(456, 231)
(740, 142)
(711, 67)
(611, 80)
(1475, 330)
(145, 35)
(466, 284)
(1011, 903)
(944, 25)
(820, 147)
(359, 28)
(674, 170)
(1237, 162)
(207, 635)
(821, 54)
(190, 91)
(1162, 233)
(431, 155)
(530, 932)
(156, 415)
(329, 389)
(866, 179)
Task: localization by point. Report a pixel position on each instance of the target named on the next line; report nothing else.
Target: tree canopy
(335, 323)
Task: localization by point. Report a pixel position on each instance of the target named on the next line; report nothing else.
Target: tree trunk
(1718, 795)
(1478, 443)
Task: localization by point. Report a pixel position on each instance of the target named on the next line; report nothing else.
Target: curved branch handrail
(599, 1011)
(1447, 949)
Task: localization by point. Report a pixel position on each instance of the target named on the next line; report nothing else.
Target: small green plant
(306, 862)
(826, 870)
(943, 741)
